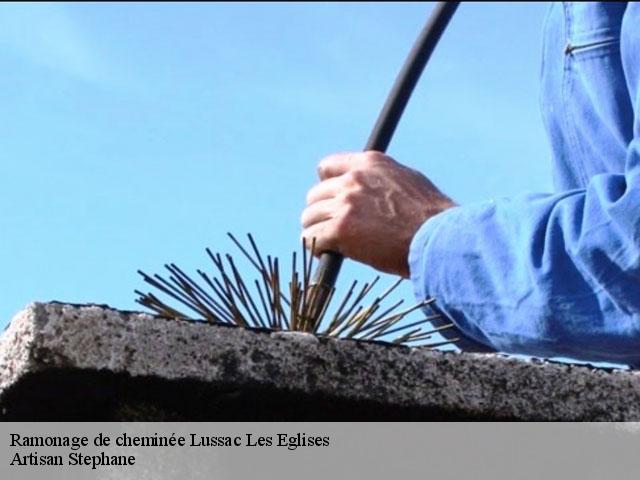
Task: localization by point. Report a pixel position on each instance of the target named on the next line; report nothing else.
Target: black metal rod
(329, 264)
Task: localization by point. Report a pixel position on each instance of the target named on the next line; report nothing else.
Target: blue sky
(136, 134)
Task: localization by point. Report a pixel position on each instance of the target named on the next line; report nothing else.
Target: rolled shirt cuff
(433, 246)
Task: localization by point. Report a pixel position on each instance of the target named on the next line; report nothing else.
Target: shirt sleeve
(547, 275)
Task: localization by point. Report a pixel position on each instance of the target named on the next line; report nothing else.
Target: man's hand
(368, 207)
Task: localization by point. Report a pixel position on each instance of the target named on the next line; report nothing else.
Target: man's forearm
(547, 275)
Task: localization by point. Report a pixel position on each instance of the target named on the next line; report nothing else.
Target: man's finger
(325, 190)
(335, 165)
(318, 212)
(323, 241)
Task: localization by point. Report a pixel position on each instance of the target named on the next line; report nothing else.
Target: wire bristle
(225, 298)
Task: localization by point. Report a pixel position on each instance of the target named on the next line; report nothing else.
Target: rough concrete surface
(90, 362)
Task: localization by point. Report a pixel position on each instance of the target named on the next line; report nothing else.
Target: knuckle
(350, 197)
(304, 217)
(348, 211)
(354, 177)
(349, 178)
(324, 164)
(310, 196)
(371, 158)
(321, 168)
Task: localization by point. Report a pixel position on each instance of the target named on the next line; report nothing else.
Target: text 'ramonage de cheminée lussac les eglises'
(291, 441)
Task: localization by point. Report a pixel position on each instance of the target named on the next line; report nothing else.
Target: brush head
(225, 298)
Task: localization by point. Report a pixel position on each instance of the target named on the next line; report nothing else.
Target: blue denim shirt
(557, 274)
